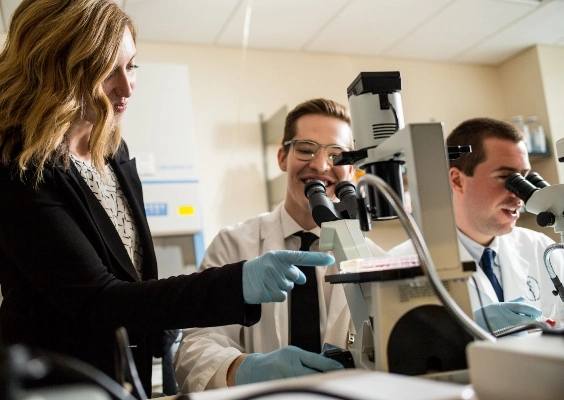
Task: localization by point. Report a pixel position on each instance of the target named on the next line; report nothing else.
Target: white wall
(522, 86)
(551, 60)
(533, 84)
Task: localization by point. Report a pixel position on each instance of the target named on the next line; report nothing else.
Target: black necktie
(487, 266)
(304, 310)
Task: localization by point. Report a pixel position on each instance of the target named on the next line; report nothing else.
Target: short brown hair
(320, 106)
(473, 132)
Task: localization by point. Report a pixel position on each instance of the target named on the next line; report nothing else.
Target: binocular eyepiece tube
(525, 187)
(323, 209)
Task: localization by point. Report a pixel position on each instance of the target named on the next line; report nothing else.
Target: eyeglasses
(306, 150)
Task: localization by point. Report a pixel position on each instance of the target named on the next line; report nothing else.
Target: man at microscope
(288, 339)
(511, 284)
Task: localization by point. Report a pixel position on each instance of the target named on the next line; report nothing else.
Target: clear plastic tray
(378, 264)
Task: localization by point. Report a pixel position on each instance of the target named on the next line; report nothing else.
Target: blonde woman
(76, 255)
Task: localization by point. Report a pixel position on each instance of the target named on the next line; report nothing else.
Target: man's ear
(282, 159)
(350, 172)
(456, 180)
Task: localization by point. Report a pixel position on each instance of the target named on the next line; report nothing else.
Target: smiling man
(280, 345)
(511, 277)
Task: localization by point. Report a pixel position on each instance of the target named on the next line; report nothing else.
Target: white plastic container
(536, 131)
(519, 123)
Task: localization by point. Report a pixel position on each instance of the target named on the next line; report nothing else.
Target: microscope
(547, 202)
(415, 318)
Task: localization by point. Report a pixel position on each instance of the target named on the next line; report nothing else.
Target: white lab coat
(523, 273)
(205, 354)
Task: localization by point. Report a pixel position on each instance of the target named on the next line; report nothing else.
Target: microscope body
(401, 325)
(549, 200)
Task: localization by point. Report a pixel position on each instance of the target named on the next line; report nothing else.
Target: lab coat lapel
(514, 268)
(271, 234)
(272, 238)
(483, 294)
(487, 292)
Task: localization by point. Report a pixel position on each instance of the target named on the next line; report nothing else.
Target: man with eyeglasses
(314, 133)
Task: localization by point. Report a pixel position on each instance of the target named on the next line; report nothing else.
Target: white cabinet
(158, 130)
(272, 131)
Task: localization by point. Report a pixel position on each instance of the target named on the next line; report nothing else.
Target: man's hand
(502, 315)
(287, 362)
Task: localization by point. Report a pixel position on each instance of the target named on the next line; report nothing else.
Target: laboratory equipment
(376, 114)
(22, 370)
(36, 374)
(527, 367)
(519, 122)
(405, 322)
(415, 320)
(547, 202)
(536, 131)
(323, 209)
(353, 384)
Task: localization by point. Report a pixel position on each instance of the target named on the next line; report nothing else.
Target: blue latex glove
(502, 315)
(269, 277)
(287, 362)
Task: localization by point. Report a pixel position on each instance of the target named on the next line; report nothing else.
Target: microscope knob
(546, 218)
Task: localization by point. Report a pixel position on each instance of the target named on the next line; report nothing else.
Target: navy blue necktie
(304, 305)
(487, 266)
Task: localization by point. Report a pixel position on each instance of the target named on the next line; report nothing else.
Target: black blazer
(68, 282)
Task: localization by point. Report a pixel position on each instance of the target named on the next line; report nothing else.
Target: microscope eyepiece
(313, 187)
(521, 187)
(322, 208)
(537, 180)
(344, 189)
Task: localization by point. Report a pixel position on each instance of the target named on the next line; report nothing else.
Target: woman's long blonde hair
(56, 56)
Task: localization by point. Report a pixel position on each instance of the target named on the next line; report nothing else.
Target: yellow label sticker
(186, 210)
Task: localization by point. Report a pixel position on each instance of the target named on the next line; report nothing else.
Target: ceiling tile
(545, 25)
(370, 26)
(180, 20)
(277, 24)
(457, 28)
(466, 31)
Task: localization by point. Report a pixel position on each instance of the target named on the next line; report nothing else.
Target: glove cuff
(245, 370)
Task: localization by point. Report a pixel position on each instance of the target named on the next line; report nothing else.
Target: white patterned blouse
(111, 197)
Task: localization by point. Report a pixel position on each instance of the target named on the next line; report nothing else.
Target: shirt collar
(476, 249)
(290, 226)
